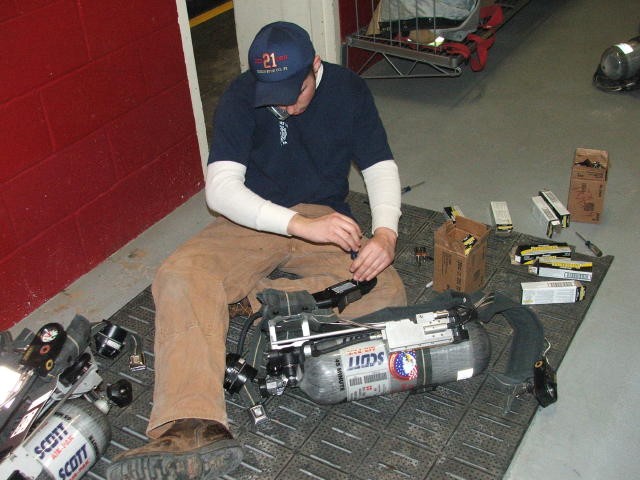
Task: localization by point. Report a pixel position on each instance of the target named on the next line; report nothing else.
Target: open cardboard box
(458, 266)
(588, 184)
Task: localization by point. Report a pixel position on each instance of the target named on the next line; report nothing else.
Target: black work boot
(191, 449)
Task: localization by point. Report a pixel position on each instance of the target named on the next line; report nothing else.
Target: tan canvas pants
(221, 265)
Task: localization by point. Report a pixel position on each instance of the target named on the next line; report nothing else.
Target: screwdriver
(403, 190)
(596, 251)
(408, 188)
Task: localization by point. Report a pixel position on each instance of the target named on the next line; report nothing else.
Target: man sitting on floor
(285, 135)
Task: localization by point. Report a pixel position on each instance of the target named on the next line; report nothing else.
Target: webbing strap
(254, 355)
(491, 16)
(476, 48)
(528, 342)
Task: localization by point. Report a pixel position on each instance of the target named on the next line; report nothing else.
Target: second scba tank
(369, 369)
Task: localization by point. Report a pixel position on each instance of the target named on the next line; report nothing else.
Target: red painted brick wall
(97, 137)
(354, 13)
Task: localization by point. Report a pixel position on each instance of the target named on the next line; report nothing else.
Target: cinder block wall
(97, 137)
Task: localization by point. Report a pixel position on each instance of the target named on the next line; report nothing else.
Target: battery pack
(543, 213)
(564, 268)
(452, 212)
(501, 218)
(526, 254)
(558, 291)
(557, 206)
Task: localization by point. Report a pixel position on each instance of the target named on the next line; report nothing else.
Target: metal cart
(406, 43)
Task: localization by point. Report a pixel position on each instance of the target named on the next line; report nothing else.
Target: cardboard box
(588, 184)
(563, 291)
(501, 218)
(460, 256)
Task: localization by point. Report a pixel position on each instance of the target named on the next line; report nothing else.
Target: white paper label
(366, 373)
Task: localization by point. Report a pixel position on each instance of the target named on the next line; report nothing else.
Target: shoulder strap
(476, 47)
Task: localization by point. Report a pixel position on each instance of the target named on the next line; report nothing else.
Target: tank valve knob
(120, 393)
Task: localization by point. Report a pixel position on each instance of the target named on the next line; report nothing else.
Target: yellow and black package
(526, 254)
(564, 268)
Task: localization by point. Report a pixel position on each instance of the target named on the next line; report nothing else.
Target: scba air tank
(621, 61)
(368, 369)
(68, 443)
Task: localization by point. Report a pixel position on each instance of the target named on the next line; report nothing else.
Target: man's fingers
(347, 233)
(371, 261)
(333, 228)
(350, 227)
(344, 241)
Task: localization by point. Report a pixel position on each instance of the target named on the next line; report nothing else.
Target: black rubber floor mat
(457, 431)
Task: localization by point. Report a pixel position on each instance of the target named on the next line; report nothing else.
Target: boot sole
(206, 463)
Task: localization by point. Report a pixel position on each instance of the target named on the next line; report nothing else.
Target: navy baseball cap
(280, 58)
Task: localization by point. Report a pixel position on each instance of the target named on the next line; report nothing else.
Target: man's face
(307, 91)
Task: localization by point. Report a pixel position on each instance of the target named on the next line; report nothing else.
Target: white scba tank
(368, 369)
(65, 446)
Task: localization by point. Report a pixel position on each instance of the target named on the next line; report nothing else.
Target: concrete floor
(500, 134)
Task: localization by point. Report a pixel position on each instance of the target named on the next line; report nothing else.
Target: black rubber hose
(245, 330)
(345, 342)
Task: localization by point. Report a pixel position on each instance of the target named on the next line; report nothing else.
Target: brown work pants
(221, 265)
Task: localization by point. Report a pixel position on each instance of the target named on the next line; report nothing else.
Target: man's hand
(376, 255)
(332, 228)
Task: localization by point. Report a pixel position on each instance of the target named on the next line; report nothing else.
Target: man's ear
(317, 61)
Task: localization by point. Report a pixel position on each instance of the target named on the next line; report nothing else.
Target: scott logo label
(365, 360)
(54, 438)
(75, 464)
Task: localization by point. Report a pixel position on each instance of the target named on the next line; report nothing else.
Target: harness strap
(476, 48)
(491, 16)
